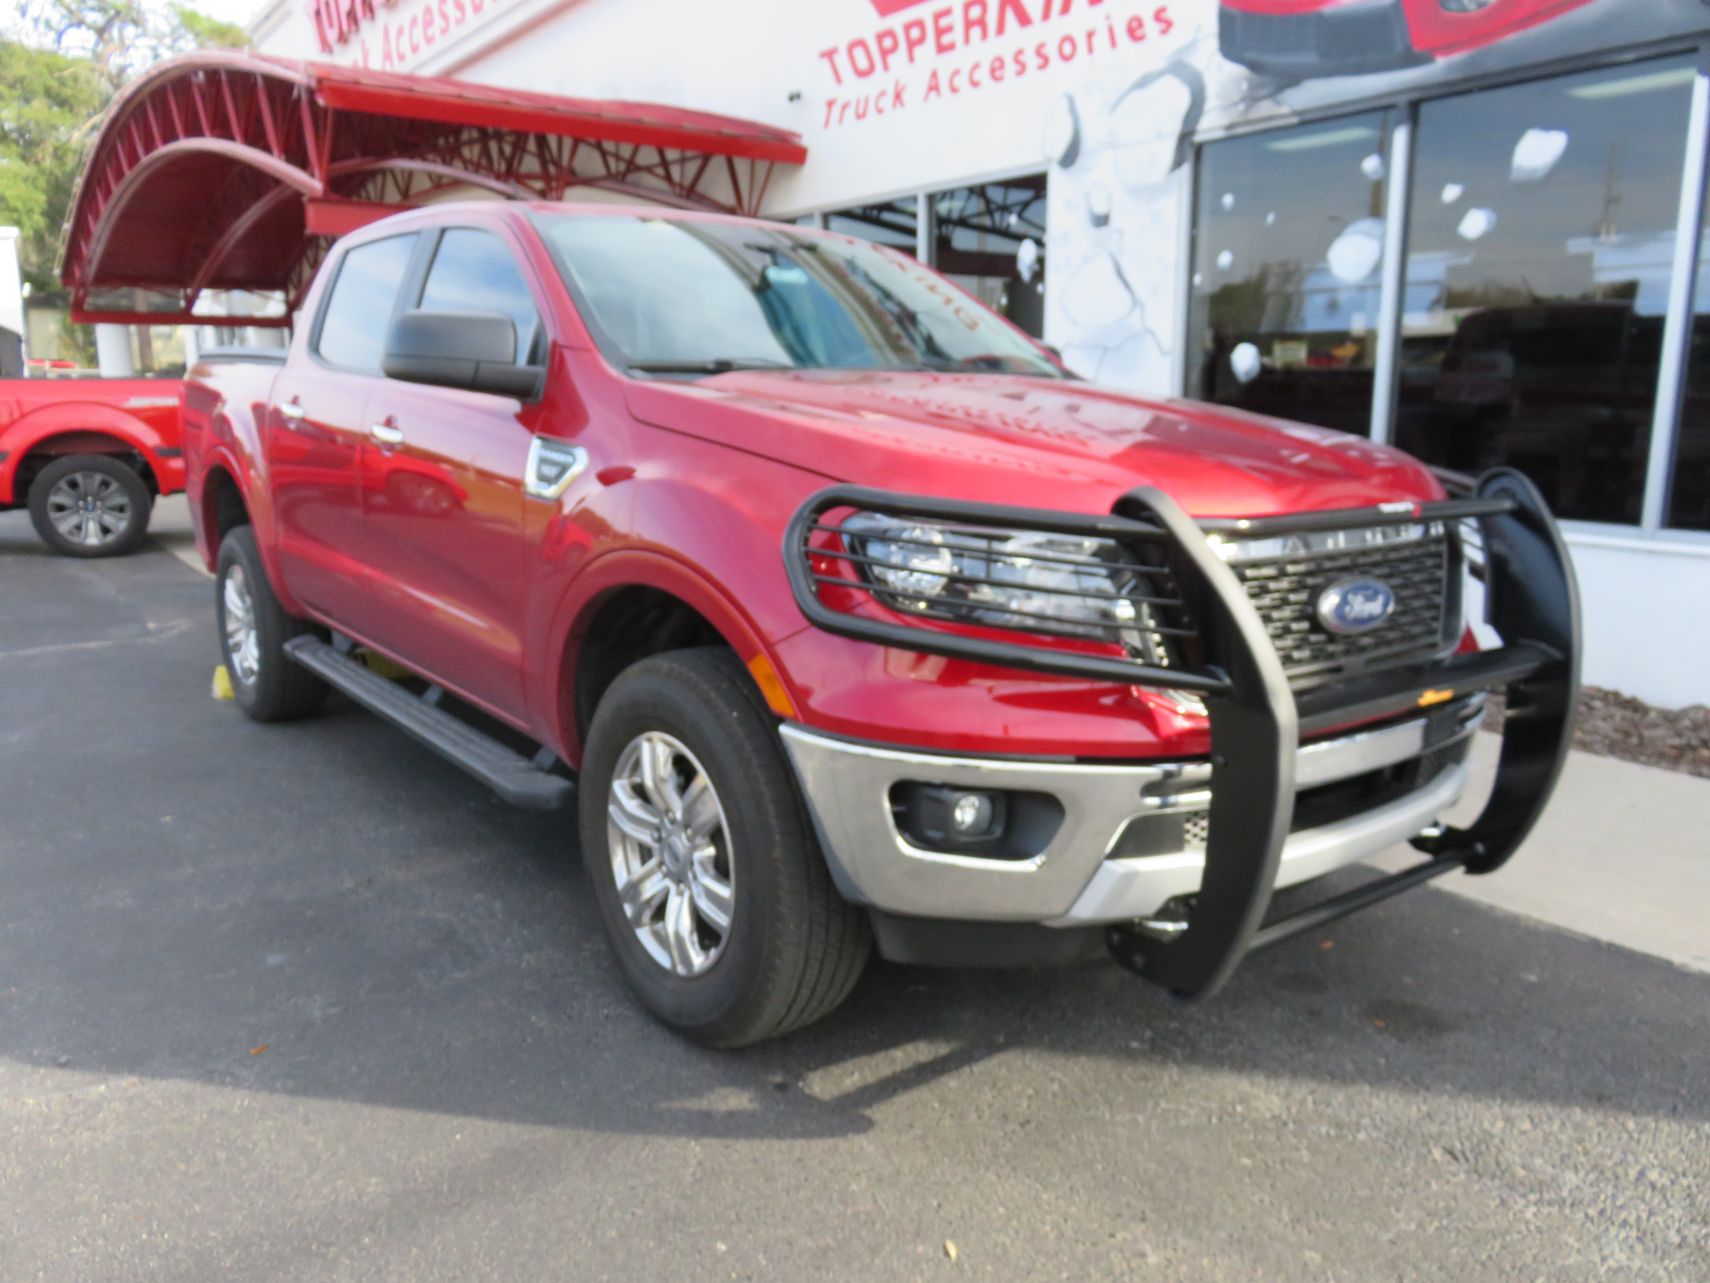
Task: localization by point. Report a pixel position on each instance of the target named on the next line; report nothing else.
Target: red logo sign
(969, 46)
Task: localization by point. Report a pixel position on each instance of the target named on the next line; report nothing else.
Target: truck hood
(1033, 442)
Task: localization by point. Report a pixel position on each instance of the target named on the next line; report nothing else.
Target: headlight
(1033, 581)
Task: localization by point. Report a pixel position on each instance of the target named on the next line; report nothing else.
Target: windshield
(680, 296)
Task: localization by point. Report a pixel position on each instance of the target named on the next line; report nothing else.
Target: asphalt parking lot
(302, 1002)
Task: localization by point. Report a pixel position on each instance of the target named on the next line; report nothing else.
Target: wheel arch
(222, 506)
(225, 494)
(632, 604)
(36, 450)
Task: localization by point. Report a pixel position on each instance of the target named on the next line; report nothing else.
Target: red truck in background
(88, 458)
(1308, 39)
(853, 618)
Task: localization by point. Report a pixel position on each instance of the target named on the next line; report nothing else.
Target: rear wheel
(253, 631)
(90, 505)
(710, 883)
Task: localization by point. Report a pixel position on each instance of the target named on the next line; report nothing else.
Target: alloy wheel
(670, 854)
(90, 508)
(243, 643)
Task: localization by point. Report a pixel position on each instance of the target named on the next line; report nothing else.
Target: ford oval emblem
(1355, 605)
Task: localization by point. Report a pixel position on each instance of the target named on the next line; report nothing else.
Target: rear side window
(353, 328)
(474, 271)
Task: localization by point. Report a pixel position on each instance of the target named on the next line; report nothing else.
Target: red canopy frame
(231, 171)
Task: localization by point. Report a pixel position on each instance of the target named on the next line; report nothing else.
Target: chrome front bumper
(1080, 877)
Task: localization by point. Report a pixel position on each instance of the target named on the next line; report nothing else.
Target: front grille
(1415, 562)
(1326, 804)
(1314, 808)
(1196, 831)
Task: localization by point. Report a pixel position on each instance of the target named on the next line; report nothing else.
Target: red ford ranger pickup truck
(88, 458)
(851, 616)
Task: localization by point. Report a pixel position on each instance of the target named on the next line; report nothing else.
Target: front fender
(696, 586)
(705, 524)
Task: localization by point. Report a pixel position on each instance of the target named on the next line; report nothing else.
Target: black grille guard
(1257, 720)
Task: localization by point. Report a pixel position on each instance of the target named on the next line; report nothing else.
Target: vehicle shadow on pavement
(326, 910)
(1432, 995)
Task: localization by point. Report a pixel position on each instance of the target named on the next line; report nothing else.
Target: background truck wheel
(90, 505)
(710, 883)
(253, 631)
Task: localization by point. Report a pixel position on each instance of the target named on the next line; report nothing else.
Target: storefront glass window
(1689, 485)
(1689, 490)
(1288, 251)
(991, 242)
(888, 222)
(1540, 247)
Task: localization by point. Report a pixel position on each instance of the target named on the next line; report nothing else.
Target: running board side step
(512, 776)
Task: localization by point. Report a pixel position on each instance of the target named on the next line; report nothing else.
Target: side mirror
(472, 350)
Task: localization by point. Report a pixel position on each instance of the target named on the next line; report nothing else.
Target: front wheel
(710, 884)
(90, 505)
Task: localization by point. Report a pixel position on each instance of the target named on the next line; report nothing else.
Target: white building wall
(1647, 616)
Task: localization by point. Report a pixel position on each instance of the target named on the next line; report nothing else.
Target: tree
(121, 37)
(59, 63)
(46, 102)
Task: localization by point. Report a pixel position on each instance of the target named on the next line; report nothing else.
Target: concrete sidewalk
(1621, 855)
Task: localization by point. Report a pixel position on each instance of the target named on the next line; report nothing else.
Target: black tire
(116, 520)
(794, 947)
(273, 688)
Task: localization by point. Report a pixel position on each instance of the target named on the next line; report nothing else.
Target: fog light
(972, 813)
(940, 817)
(988, 824)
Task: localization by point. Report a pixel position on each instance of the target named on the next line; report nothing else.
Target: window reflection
(1287, 259)
(1541, 243)
(353, 327)
(890, 223)
(770, 296)
(473, 271)
(991, 242)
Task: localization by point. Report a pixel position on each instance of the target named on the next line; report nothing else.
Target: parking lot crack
(156, 633)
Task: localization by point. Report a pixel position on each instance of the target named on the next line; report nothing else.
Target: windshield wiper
(717, 365)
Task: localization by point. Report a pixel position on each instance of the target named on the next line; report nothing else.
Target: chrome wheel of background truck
(90, 505)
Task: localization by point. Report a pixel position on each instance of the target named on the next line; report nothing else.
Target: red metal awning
(228, 171)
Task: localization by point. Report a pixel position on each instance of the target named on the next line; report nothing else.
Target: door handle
(386, 434)
(291, 411)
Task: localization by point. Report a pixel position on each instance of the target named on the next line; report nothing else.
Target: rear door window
(474, 271)
(359, 311)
